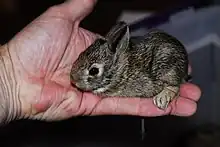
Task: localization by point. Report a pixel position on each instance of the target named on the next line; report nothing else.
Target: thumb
(76, 10)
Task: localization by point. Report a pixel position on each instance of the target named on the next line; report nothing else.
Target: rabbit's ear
(123, 41)
(118, 37)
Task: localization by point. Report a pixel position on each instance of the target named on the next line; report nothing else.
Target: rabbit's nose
(74, 78)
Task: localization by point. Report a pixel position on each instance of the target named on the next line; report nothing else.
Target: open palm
(42, 55)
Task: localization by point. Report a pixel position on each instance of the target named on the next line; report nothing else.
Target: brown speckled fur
(132, 68)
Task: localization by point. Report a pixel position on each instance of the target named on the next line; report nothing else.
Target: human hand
(42, 55)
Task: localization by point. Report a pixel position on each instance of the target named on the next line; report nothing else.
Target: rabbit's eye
(94, 71)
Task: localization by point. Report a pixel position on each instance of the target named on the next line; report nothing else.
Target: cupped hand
(42, 55)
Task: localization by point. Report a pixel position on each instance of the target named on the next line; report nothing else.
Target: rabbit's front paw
(163, 99)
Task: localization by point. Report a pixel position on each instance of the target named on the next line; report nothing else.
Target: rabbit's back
(159, 54)
(148, 63)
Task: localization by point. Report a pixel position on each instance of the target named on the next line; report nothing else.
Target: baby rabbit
(152, 66)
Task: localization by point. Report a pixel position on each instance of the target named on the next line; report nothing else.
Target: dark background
(15, 14)
(88, 131)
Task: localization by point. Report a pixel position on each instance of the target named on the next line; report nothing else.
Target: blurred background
(194, 22)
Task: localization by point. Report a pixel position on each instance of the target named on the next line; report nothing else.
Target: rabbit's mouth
(99, 90)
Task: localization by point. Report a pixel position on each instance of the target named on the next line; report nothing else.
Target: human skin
(35, 68)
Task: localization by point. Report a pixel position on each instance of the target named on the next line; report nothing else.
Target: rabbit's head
(95, 67)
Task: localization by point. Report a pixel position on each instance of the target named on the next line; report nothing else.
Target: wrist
(9, 102)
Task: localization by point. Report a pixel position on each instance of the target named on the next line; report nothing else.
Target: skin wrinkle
(19, 60)
(42, 101)
(4, 111)
(66, 47)
(45, 114)
(48, 52)
(139, 107)
(63, 67)
(58, 64)
(9, 88)
(117, 108)
(64, 103)
(60, 82)
(81, 111)
(34, 110)
(93, 110)
(47, 66)
(7, 96)
(117, 105)
(61, 103)
(42, 98)
(85, 109)
(67, 105)
(62, 97)
(39, 113)
(73, 37)
(79, 107)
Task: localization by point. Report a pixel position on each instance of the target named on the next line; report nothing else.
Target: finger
(127, 106)
(77, 9)
(190, 91)
(143, 107)
(183, 107)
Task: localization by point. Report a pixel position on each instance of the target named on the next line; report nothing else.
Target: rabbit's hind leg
(172, 80)
(163, 99)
